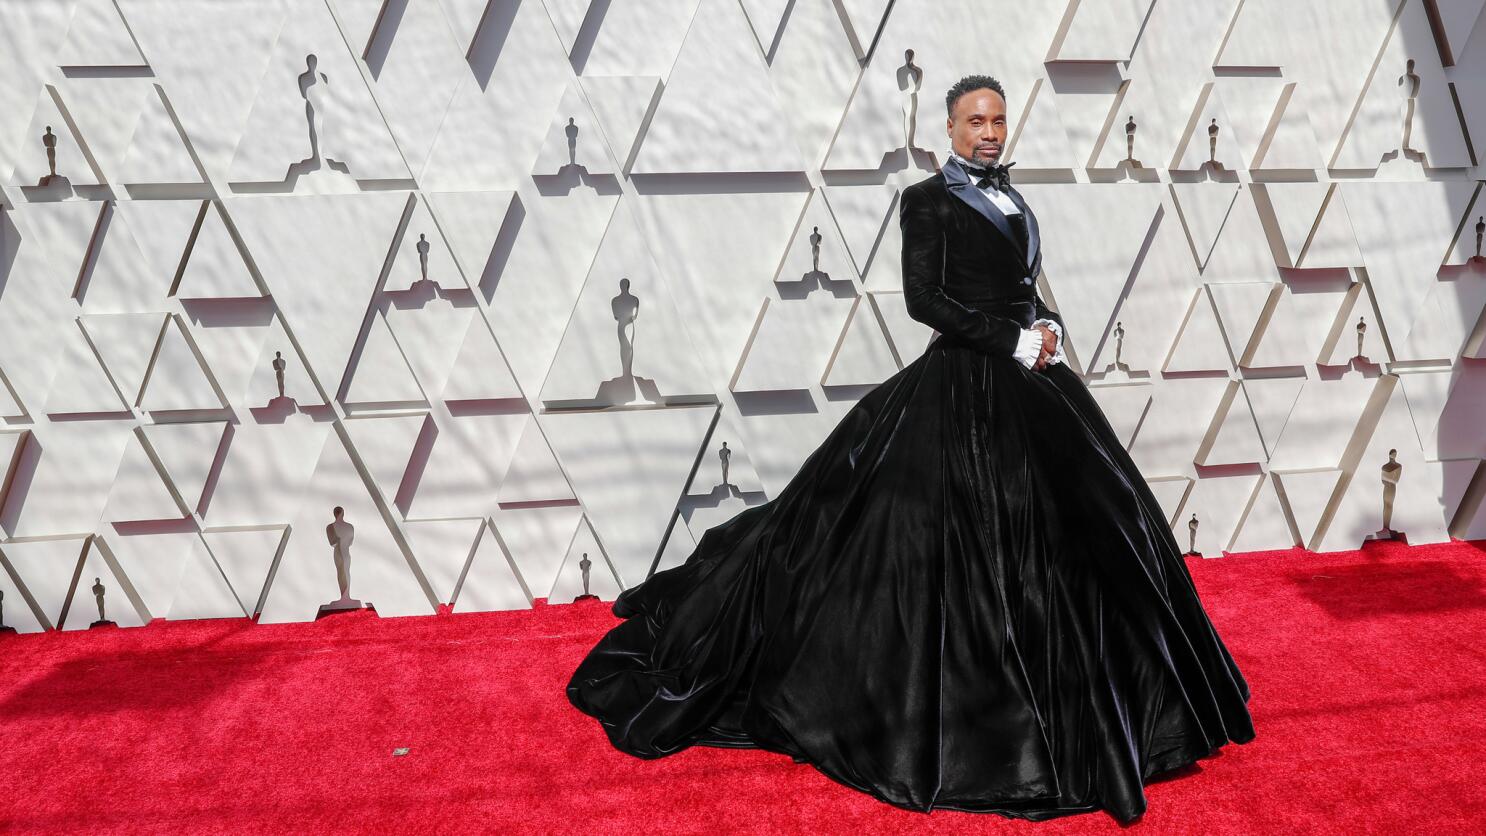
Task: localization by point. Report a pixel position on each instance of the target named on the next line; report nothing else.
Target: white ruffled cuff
(1058, 330)
(1028, 347)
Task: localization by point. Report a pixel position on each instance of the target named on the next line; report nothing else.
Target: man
(967, 596)
(966, 218)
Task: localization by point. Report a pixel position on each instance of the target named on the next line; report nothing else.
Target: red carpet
(1368, 671)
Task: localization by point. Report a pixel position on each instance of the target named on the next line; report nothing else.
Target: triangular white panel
(718, 54)
(1296, 208)
(467, 466)
(1239, 306)
(422, 252)
(381, 576)
(45, 569)
(105, 110)
(1176, 425)
(381, 375)
(1387, 109)
(814, 68)
(138, 491)
(816, 248)
(491, 582)
(862, 213)
(1293, 142)
(1321, 423)
(1333, 243)
(1394, 487)
(629, 468)
(570, 575)
(98, 37)
(1251, 101)
(161, 229)
(386, 445)
(1298, 326)
(262, 381)
(1204, 207)
(1218, 502)
(99, 579)
(154, 564)
(1265, 524)
(176, 380)
(123, 279)
(1208, 145)
(862, 356)
(203, 591)
(567, 18)
(537, 540)
(650, 358)
(127, 343)
(534, 473)
(187, 450)
(214, 267)
(1242, 252)
(81, 384)
(1236, 440)
(1270, 400)
(264, 471)
(321, 256)
(157, 150)
(245, 558)
(1102, 31)
(32, 165)
(1124, 407)
(574, 138)
(1356, 310)
(275, 146)
(480, 371)
(740, 477)
(1041, 139)
(793, 343)
(623, 106)
(471, 223)
(430, 336)
(1200, 346)
(17, 613)
(444, 548)
(1170, 493)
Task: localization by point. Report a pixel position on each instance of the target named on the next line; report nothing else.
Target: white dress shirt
(1029, 344)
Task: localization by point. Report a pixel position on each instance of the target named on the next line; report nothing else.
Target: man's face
(977, 126)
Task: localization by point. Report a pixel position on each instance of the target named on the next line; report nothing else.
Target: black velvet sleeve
(923, 283)
(1044, 312)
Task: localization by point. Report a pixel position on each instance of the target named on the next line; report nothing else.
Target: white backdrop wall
(527, 265)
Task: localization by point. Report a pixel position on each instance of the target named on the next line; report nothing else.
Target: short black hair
(965, 85)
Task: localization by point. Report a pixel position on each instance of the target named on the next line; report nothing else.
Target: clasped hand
(1049, 345)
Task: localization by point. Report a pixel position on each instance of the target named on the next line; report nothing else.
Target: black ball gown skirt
(966, 598)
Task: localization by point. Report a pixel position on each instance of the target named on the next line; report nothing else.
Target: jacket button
(1026, 280)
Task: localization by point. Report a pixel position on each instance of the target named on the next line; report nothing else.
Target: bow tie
(996, 175)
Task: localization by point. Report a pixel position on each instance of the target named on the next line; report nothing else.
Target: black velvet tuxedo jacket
(966, 273)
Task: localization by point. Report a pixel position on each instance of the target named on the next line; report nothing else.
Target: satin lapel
(1034, 240)
(958, 182)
